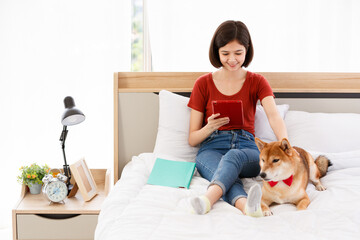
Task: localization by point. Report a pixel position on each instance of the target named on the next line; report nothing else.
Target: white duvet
(136, 210)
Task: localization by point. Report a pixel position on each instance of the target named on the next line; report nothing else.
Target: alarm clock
(55, 188)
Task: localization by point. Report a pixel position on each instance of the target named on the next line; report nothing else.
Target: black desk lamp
(71, 116)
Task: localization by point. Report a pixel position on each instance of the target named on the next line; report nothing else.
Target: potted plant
(32, 176)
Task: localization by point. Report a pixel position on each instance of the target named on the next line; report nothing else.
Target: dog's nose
(263, 175)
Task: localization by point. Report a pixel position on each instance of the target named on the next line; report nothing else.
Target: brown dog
(286, 171)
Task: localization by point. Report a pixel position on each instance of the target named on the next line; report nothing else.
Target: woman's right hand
(198, 133)
(215, 123)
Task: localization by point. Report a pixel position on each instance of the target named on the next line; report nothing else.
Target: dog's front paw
(267, 213)
(320, 187)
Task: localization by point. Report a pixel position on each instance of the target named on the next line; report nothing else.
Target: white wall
(50, 49)
(288, 36)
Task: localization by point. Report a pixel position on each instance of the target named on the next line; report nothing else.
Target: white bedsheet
(135, 210)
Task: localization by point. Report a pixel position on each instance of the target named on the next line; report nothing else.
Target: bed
(322, 115)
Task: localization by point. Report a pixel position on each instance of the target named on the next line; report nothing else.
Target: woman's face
(232, 55)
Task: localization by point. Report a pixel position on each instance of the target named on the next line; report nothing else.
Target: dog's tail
(323, 163)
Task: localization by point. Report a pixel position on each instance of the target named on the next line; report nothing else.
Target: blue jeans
(226, 156)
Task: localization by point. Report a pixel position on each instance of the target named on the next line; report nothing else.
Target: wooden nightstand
(34, 218)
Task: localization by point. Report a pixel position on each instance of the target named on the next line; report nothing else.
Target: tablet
(230, 108)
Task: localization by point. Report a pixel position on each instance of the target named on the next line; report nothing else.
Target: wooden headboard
(136, 107)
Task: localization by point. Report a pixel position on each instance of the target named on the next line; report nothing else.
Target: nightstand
(34, 218)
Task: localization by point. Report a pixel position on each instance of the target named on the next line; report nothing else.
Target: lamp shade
(72, 115)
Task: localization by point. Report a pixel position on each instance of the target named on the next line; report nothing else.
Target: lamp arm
(65, 166)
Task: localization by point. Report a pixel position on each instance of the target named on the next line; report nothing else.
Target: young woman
(227, 153)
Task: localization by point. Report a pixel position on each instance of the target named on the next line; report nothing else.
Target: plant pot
(35, 188)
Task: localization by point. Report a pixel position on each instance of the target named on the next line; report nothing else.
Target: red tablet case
(230, 108)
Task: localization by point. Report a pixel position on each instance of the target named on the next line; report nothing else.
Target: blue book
(171, 173)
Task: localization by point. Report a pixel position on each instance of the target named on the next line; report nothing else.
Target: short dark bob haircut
(227, 32)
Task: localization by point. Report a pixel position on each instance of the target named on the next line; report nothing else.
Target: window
(137, 37)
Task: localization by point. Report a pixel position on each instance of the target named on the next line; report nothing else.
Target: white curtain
(51, 49)
(296, 35)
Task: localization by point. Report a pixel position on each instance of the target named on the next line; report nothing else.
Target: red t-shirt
(255, 88)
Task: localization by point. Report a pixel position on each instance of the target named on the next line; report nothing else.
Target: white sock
(200, 205)
(253, 202)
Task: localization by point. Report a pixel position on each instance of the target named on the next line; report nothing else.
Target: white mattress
(136, 210)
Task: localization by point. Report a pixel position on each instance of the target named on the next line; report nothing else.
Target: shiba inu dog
(286, 171)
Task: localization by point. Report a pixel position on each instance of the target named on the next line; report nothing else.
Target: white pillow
(173, 131)
(262, 125)
(324, 132)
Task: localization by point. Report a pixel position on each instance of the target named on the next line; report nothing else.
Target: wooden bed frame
(136, 105)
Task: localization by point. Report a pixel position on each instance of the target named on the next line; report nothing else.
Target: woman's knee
(252, 154)
(207, 163)
(236, 155)
(241, 156)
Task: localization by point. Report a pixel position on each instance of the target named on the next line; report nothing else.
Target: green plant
(32, 174)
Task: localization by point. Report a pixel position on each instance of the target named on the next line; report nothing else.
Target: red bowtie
(287, 181)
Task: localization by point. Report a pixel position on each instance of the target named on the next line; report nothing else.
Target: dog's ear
(260, 144)
(285, 146)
